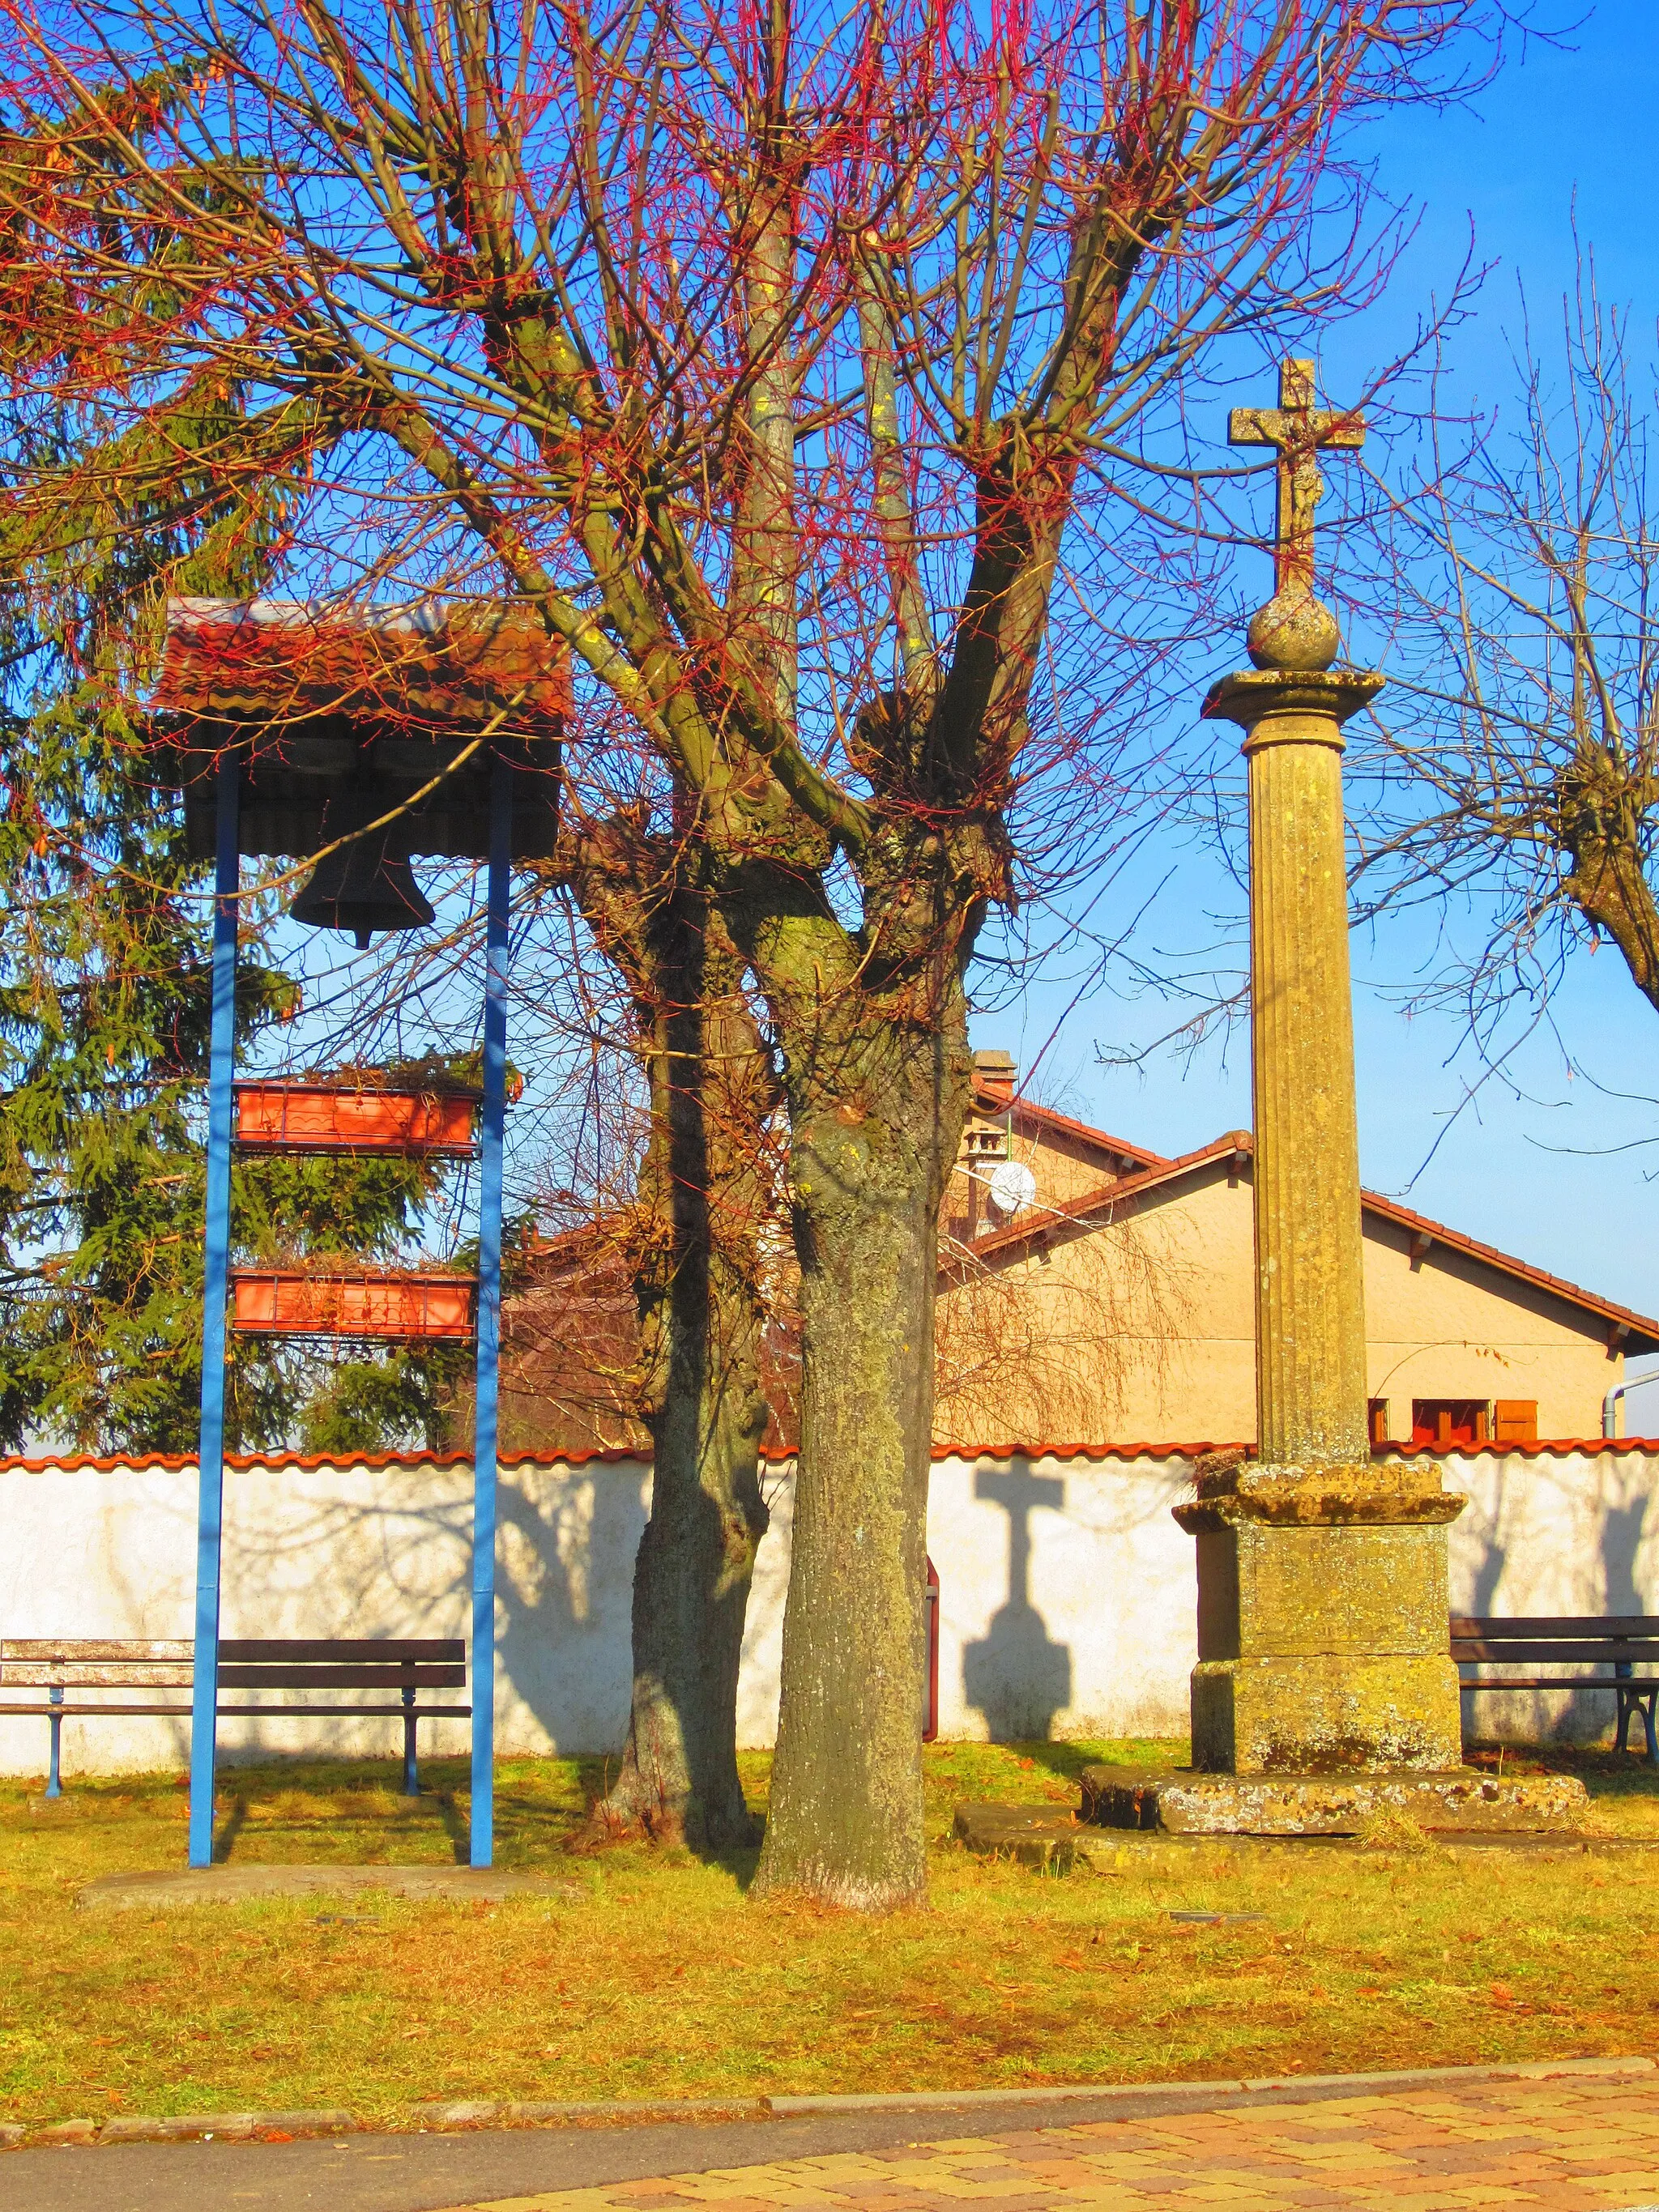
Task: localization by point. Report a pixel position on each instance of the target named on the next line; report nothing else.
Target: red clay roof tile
(1079, 1210)
(285, 663)
(174, 1462)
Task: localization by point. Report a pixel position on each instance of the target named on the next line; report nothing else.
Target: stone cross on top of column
(1293, 630)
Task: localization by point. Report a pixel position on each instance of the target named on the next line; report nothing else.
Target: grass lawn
(658, 1978)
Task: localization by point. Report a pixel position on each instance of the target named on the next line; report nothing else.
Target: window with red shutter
(1514, 1421)
(1448, 1422)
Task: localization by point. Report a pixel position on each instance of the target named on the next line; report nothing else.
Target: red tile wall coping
(173, 1462)
(1147, 1450)
(615, 1455)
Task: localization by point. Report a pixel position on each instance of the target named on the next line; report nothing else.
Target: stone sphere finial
(1294, 631)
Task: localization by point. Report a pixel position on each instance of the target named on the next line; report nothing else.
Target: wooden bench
(78, 1673)
(1622, 1641)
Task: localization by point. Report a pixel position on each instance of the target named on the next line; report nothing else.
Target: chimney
(995, 1071)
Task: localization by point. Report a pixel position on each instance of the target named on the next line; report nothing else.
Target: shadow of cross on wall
(1621, 1540)
(1015, 1675)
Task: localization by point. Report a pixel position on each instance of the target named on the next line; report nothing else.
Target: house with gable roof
(1095, 1292)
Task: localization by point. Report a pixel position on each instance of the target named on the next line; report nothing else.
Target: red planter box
(326, 1117)
(289, 1302)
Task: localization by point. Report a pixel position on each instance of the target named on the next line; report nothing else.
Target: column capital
(1230, 1490)
(1302, 699)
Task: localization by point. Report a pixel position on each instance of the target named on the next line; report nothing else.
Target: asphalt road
(423, 2173)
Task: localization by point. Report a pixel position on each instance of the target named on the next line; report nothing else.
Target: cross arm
(1258, 426)
(1274, 426)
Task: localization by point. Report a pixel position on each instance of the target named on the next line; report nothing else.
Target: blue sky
(1554, 1165)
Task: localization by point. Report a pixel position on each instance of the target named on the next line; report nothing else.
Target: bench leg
(54, 1775)
(1629, 1702)
(1632, 1701)
(412, 1775)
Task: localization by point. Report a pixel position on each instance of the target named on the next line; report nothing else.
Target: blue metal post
(54, 1778)
(215, 1273)
(411, 1770)
(489, 1321)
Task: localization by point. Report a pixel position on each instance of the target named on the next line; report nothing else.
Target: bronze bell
(361, 887)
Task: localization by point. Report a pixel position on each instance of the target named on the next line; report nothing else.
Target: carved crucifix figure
(1299, 431)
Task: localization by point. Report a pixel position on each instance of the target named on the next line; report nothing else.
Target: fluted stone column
(1322, 1579)
(1310, 1288)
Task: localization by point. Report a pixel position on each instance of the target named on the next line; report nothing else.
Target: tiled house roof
(1635, 1332)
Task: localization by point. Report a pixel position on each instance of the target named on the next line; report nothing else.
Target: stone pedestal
(1322, 1587)
(1321, 1621)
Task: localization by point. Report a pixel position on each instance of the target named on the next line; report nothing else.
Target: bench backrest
(245, 1663)
(127, 1662)
(1580, 1638)
(343, 1662)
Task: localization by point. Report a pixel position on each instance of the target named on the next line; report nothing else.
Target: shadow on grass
(597, 1774)
(1067, 1761)
(1011, 1772)
(353, 1812)
(235, 1821)
(457, 1825)
(738, 1861)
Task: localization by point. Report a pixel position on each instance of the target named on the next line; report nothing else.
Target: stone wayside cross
(1324, 1692)
(1310, 1318)
(1293, 630)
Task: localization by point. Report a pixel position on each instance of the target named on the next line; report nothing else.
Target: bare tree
(695, 1238)
(795, 364)
(1517, 765)
(1031, 1350)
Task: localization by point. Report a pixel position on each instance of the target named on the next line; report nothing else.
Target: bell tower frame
(451, 732)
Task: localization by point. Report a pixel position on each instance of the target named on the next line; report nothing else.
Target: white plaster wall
(763, 1626)
(1068, 1595)
(332, 1551)
(1560, 1533)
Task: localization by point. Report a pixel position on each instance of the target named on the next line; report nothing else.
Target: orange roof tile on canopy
(404, 707)
(284, 663)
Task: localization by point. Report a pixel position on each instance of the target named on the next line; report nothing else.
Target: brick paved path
(1567, 2146)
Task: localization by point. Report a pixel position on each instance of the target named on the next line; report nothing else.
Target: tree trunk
(876, 1116)
(691, 1578)
(1609, 886)
(703, 1204)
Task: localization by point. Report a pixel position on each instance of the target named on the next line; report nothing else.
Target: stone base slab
(1287, 1712)
(1046, 1837)
(1329, 1805)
